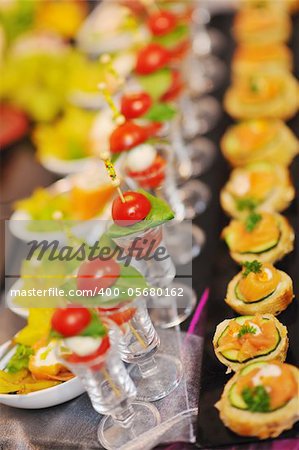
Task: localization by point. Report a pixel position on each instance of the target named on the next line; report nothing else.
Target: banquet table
(73, 425)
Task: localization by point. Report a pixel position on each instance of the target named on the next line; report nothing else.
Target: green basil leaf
(160, 112)
(157, 83)
(178, 35)
(159, 214)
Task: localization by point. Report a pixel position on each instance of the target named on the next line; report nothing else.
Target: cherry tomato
(153, 128)
(162, 22)
(127, 136)
(153, 176)
(151, 58)
(135, 105)
(175, 87)
(97, 274)
(13, 125)
(179, 51)
(117, 316)
(136, 6)
(70, 321)
(133, 210)
(103, 348)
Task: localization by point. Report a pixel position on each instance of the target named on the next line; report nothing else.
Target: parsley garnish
(256, 398)
(246, 329)
(251, 266)
(252, 220)
(245, 203)
(254, 85)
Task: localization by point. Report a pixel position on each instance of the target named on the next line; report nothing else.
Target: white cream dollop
(269, 370)
(141, 157)
(256, 327)
(83, 345)
(240, 184)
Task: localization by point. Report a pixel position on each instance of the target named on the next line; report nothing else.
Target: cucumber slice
(242, 299)
(232, 355)
(263, 248)
(229, 239)
(253, 366)
(236, 400)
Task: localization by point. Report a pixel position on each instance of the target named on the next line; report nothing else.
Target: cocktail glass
(154, 374)
(161, 181)
(112, 393)
(173, 302)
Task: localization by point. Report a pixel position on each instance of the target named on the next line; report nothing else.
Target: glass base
(205, 75)
(182, 247)
(202, 152)
(218, 41)
(168, 374)
(206, 114)
(195, 195)
(167, 312)
(113, 436)
(207, 41)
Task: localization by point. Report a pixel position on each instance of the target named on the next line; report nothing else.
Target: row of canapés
(261, 399)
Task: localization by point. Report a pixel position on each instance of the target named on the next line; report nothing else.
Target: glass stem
(147, 367)
(125, 417)
(170, 193)
(178, 145)
(190, 120)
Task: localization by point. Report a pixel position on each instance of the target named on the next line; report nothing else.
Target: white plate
(18, 223)
(41, 399)
(64, 167)
(22, 312)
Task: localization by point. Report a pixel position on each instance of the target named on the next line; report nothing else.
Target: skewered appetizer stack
(261, 399)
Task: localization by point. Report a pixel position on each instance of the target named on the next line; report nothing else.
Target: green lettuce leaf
(159, 214)
(160, 112)
(157, 83)
(178, 35)
(20, 359)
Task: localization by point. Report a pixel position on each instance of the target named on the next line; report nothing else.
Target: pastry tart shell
(274, 304)
(278, 200)
(281, 150)
(279, 32)
(282, 106)
(279, 354)
(262, 425)
(284, 246)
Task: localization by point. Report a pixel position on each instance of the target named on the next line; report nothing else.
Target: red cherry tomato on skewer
(116, 315)
(153, 176)
(151, 58)
(179, 51)
(175, 87)
(97, 274)
(162, 22)
(103, 348)
(70, 321)
(135, 105)
(153, 128)
(127, 136)
(135, 208)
